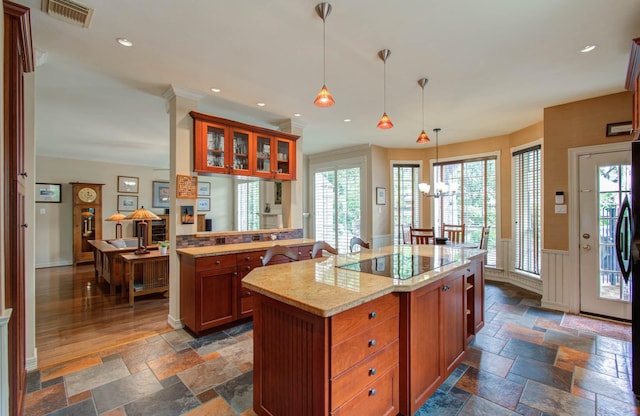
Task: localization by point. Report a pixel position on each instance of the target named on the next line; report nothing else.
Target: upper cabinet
(229, 147)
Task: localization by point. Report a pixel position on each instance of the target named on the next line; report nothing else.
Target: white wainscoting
(4, 362)
(381, 240)
(557, 278)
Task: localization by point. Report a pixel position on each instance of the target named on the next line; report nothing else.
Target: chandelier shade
(439, 188)
(324, 97)
(385, 121)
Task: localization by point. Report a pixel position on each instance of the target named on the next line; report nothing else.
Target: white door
(604, 181)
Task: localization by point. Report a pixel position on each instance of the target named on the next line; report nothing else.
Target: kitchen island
(374, 332)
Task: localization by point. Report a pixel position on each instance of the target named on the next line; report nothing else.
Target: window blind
(406, 198)
(527, 196)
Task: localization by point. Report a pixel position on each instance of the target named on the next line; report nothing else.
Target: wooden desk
(146, 273)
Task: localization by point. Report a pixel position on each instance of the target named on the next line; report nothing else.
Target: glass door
(263, 166)
(241, 149)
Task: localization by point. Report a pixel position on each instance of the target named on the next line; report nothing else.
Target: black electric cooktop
(398, 265)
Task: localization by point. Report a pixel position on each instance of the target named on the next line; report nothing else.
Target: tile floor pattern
(526, 361)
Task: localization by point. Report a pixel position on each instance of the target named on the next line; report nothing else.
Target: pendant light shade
(423, 138)
(385, 121)
(324, 97)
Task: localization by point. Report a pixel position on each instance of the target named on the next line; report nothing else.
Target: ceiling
(492, 65)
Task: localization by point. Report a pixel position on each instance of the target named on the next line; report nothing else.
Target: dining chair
(319, 247)
(484, 237)
(406, 233)
(357, 241)
(276, 252)
(422, 236)
(454, 233)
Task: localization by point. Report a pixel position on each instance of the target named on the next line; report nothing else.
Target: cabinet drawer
(378, 398)
(304, 252)
(215, 262)
(348, 323)
(252, 258)
(349, 383)
(348, 353)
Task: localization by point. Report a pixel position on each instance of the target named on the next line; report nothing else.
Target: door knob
(586, 235)
(587, 246)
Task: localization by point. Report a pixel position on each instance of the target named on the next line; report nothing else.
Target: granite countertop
(319, 287)
(241, 247)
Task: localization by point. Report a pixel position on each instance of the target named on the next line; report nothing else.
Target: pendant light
(324, 98)
(439, 188)
(385, 121)
(423, 138)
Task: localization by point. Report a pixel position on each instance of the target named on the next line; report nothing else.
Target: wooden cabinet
(87, 219)
(156, 231)
(245, 262)
(229, 147)
(433, 320)
(475, 299)
(633, 84)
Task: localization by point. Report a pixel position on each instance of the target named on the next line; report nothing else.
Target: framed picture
(160, 194)
(127, 184)
(278, 197)
(48, 192)
(619, 129)
(203, 204)
(186, 214)
(381, 196)
(187, 186)
(127, 203)
(204, 188)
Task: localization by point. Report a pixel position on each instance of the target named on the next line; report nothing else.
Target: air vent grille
(68, 11)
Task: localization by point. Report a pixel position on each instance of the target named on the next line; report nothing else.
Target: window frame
(421, 206)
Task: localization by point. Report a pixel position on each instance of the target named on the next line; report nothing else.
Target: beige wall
(577, 124)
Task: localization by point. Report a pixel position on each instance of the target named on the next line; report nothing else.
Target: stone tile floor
(525, 361)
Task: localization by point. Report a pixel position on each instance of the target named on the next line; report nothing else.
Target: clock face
(87, 194)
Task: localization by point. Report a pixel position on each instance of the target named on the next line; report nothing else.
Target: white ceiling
(493, 66)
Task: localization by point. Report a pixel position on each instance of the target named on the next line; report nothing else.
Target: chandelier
(439, 188)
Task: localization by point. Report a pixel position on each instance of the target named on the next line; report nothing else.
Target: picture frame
(381, 195)
(161, 194)
(186, 214)
(203, 204)
(187, 187)
(48, 192)
(204, 189)
(127, 203)
(619, 129)
(278, 196)
(128, 184)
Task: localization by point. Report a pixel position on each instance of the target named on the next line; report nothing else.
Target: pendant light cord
(384, 87)
(324, 52)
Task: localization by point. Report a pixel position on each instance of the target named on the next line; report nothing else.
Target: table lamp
(119, 218)
(142, 215)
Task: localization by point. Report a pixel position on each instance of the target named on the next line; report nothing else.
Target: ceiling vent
(68, 11)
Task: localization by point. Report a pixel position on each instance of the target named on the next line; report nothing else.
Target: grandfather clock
(87, 219)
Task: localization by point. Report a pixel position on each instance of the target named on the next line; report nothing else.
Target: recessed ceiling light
(216, 89)
(124, 42)
(347, 120)
(260, 104)
(588, 48)
(297, 114)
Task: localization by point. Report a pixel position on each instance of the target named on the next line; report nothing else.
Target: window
(248, 203)
(527, 210)
(406, 198)
(475, 202)
(337, 206)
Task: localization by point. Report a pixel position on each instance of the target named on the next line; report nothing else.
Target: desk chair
(356, 241)
(454, 233)
(422, 236)
(484, 237)
(279, 251)
(321, 246)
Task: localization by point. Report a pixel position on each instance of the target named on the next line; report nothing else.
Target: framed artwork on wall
(187, 186)
(204, 204)
(127, 203)
(381, 196)
(204, 188)
(160, 194)
(127, 184)
(48, 192)
(186, 214)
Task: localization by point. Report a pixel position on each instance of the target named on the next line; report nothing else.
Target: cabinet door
(263, 163)
(285, 159)
(453, 321)
(477, 268)
(217, 297)
(245, 296)
(239, 152)
(210, 152)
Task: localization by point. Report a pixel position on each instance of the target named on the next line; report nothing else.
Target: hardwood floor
(75, 315)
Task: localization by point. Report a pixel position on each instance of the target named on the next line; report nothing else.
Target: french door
(604, 181)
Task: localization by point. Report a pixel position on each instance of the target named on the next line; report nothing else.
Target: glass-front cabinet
(229, 147)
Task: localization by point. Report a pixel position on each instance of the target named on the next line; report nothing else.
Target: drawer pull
(247, 258)
(372, 315)
(372, 392)
(248, 267)
(445, 288)
(261, 257)
(247, 293)
(372, 371)
(217, 262)
(372, 343)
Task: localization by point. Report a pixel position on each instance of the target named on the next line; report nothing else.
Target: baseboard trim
(174, 323)
(516, 279)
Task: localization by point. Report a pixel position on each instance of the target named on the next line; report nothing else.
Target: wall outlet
(561, 209)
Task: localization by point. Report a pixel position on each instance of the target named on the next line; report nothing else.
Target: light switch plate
(561, 209)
